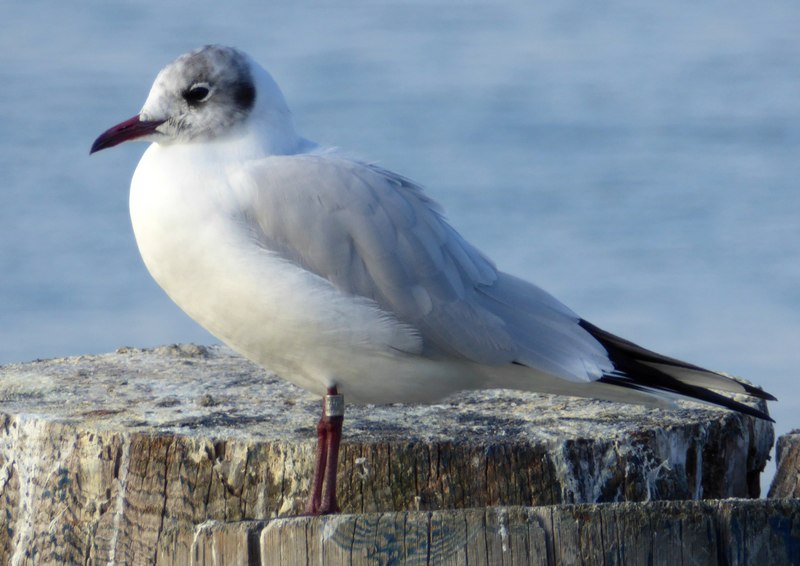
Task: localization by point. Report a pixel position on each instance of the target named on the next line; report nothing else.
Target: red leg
(312, 507)
(328, 503)
(329, 434)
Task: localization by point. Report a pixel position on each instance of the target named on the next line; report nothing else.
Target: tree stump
(147, 456)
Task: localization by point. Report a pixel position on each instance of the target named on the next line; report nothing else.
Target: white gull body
(334, 272)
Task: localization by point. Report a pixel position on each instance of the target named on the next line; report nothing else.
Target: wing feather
(375, 234)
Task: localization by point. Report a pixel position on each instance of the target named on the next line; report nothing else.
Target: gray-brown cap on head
(199, 96)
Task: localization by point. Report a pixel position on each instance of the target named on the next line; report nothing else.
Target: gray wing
(374, 234)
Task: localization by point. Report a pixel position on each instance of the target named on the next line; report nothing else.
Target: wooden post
(787, 478)
(182, 453)
(733, 532)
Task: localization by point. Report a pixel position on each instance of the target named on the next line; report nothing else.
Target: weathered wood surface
(120, 457)
(787, 478)
(672, 533)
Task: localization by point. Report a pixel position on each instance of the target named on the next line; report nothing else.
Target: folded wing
(374, 234)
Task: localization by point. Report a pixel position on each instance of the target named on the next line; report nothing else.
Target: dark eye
(197, 93)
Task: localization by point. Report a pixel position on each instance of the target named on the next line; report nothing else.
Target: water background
(641, 162)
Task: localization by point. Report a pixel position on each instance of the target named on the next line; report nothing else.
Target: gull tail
(644, 370)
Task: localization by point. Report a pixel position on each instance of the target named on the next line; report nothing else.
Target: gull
(345, 278)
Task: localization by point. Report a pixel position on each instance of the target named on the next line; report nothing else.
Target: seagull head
(206, 94)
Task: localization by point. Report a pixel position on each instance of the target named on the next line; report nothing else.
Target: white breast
(196, 243)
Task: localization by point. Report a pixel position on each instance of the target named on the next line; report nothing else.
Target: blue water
(640, 162)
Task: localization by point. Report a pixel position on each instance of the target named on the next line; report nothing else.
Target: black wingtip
(667, 383)
(634, 371)
(754, 391)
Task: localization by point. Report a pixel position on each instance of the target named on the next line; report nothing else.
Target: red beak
(127, 130)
